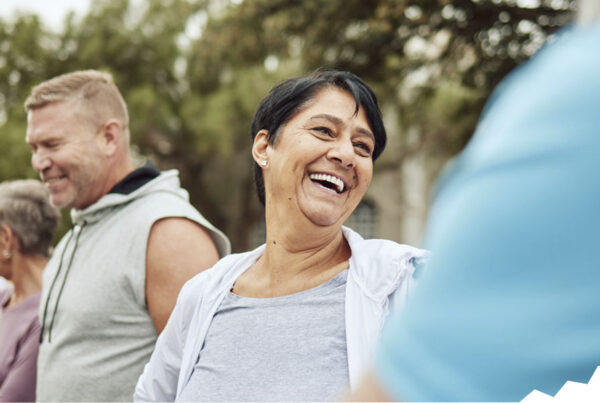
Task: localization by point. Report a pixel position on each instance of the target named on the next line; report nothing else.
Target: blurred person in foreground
(296, 318)
(114, 278)
(27, 225)
(510, 300)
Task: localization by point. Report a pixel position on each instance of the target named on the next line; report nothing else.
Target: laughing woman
(296, 318)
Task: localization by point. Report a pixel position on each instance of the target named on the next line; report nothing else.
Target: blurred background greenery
(193, 72)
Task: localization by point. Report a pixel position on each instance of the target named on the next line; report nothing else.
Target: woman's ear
(259, 148)
(7, 239)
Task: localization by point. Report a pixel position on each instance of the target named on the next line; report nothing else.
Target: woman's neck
(27, 277)
(294, 260)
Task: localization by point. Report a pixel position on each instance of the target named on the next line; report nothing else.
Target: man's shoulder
(155, 206)
(165, 205)
(161, 199)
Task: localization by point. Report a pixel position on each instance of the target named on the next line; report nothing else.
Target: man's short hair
(287, 99)
(26, 209)
(94, 93)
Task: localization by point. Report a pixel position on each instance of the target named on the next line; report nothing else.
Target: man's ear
(259, 148)
(109, 137)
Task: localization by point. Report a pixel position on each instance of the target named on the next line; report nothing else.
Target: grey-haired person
(27, 224)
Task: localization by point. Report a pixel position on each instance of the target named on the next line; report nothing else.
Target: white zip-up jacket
(380, 276)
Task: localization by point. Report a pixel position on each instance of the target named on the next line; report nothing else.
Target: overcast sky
(51, 11)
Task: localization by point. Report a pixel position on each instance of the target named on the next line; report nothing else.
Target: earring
(6, 254)
(263, 163)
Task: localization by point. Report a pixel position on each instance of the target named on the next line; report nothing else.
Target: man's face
(66, 154)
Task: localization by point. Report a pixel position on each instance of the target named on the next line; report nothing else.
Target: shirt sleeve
(508, 304)
(509, 300)
(19, 384)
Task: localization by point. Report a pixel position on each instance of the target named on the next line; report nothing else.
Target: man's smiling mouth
(54, 179)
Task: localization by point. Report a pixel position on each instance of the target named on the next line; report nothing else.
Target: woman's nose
(342, 151)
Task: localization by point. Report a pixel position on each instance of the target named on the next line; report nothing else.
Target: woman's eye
(364, 148)
(324, 130)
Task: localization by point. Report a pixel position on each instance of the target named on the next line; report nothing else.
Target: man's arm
(178, 249)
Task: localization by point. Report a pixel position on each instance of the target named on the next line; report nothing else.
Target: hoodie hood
(167, 181)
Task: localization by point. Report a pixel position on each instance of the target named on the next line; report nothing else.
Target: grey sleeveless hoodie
(97, 333)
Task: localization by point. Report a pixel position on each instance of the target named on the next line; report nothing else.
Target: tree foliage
(193, 72)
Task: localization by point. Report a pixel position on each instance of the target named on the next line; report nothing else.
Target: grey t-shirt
(290, 348)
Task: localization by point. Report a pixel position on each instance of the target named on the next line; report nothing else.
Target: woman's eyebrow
(340, 122)
(333, 119)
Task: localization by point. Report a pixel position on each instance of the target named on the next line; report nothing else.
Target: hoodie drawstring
(77, 230)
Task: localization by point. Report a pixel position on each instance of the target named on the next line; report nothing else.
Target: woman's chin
(323, 219)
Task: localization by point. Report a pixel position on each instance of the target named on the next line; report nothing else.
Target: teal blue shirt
(510, 299)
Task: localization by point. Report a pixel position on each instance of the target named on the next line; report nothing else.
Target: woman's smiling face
(321, 162)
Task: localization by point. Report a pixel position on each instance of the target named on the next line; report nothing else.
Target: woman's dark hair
(287, 98)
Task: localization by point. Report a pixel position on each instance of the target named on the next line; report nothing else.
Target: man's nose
(40, 161)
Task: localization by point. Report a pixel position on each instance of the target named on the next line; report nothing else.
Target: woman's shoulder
(224, 271)
(382, 264)
(383, 250)
(6, 291)
(203, 288)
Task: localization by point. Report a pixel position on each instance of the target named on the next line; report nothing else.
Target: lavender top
(19, 343)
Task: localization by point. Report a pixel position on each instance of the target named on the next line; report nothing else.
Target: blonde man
(509, 300)
(114, 278)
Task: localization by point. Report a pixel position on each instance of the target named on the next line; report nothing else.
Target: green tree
(193, 72)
